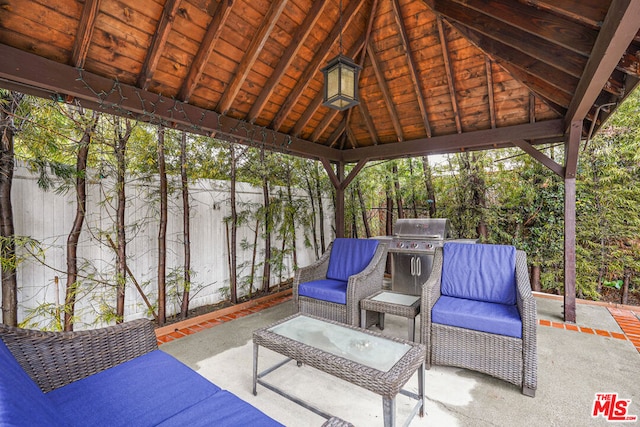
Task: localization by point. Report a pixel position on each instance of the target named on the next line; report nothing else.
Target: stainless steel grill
(412, 250)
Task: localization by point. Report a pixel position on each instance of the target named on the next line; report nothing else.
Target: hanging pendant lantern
(341, 83)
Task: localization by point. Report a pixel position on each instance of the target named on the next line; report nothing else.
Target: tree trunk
(625, 287)
(479, 199)
(268, 225)
(535, 278)
(396, 185)
(414, 204)
(121, 244)
(363, 209)
(162, 233)
(389, 211)
(9, 102)
(291, 217)
(186, 232)
(354, 220)
(233, 256)
(81, 209)
(320, 208)
(314, 232)
(428, 182)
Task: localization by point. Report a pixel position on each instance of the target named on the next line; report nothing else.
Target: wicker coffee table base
(387, 384)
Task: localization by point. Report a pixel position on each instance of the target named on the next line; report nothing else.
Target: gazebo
(436, 76)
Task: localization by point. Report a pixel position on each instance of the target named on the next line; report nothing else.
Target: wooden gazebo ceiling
(438, 76)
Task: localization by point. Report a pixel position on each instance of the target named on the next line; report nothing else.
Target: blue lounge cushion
(325, 290)
(22, 403)
(141, 392)
(223, 409)
(481, 316)
(349, 257)
(479, 272)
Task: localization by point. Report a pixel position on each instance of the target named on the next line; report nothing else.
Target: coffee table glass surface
(372, 351)
(396, 298)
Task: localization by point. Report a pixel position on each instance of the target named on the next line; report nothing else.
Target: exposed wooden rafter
(158, 43)
(450, 75)
(490, 96)
(386, 93)
(85, 32)
(206, 48)
(315, 64)
(251, 54)
(411, 63)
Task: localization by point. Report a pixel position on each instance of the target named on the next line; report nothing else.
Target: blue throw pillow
(349, 257)
(479, 272)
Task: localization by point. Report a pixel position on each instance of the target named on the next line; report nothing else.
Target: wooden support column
(340, 183)
(572, 146)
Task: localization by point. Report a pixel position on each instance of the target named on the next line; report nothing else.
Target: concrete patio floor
(575, 362)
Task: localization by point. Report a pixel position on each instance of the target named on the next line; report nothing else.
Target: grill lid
(422, 228)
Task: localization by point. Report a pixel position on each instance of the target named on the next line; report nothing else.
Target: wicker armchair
(356, 286)
(55, 359)
(510, 358)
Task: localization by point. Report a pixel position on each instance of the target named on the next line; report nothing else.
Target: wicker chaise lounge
(349, 271)
(478, 313)
(114, 376)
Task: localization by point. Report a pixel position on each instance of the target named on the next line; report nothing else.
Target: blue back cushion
(22, 403)
(479, 272)
(349, 257)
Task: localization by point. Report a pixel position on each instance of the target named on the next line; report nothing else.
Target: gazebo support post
(340, 183)
(572, 146)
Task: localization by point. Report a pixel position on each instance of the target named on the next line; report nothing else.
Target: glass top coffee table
(395, 303)
(368, 359)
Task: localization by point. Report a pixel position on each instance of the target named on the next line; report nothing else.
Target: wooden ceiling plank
(23, 70)
(505, 53)
(618, 30)
(214, 30)
(449, 72)
(588, 12)
(84, 33)
(501, 137)
(297, 41)
(315, 64)
(541, 23)
(538, 85)
(492, 107)
(251, 55)
(386, 94)
(308, 113)
(411, 62)
(158, 43)
(536, 47)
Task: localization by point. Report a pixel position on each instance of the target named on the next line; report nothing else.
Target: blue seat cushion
(141, 392)
(223, 409)
(22, 403)
(325, 290)
(481, 316)
(479, 272)
(349, 257)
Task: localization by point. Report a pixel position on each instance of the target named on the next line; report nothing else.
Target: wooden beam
(366, 117)
(618, 30)
(572, 148)
(297, 41)
(315, 64)
(416, 79)
(386, 94)
(570, 250)
(214, 30)
(84, 33)
(492, 106)
(536, 47)
(23, 71)
(449, 72)
(540, 156)
(482, 139)
(538, 22)
(251, 55)
(157, 44)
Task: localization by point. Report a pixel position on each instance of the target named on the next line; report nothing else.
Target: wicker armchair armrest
(367, 282)
(316, 271)
(55, 359)
(528, 314)
(430, 294)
